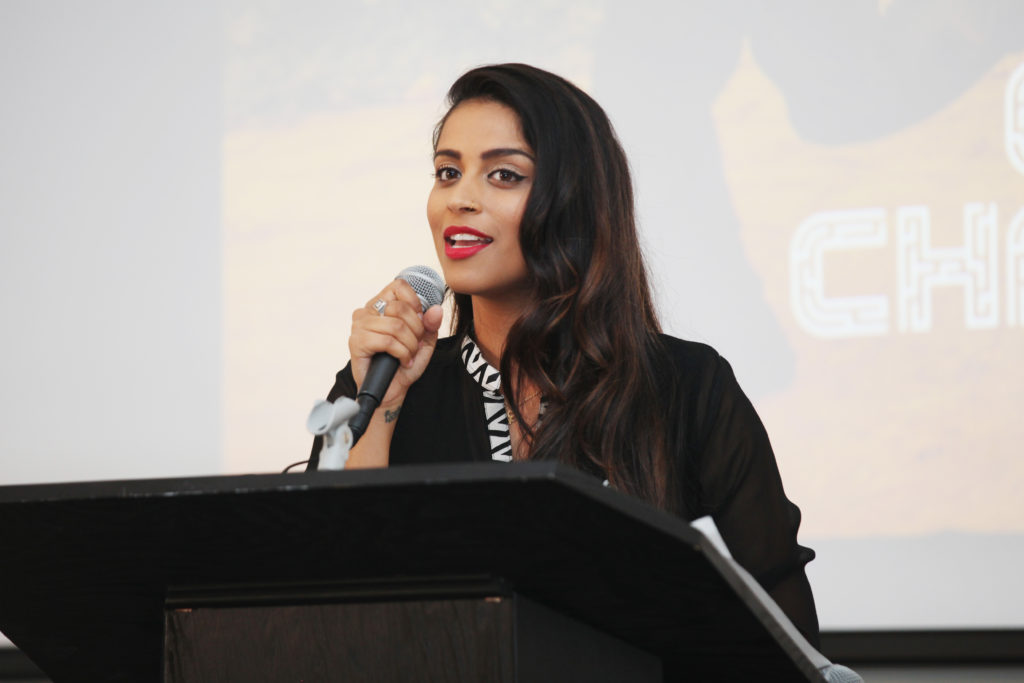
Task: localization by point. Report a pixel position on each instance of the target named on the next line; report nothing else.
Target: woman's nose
(464, 205)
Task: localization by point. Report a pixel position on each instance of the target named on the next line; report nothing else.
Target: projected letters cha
(921, 267)
(973, 266)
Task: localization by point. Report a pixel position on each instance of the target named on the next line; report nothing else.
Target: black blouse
(722, 448)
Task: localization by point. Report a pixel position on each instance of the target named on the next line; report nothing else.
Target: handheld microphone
(429, 287)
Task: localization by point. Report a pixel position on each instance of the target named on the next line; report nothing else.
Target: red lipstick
(462, 242)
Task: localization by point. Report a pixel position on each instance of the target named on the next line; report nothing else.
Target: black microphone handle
(429, 287)
(378, 378)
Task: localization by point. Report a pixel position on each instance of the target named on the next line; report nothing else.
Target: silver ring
(379, 305)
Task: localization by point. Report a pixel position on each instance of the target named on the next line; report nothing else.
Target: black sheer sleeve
(740, 487)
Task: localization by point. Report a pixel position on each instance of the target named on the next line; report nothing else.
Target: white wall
(110, 263)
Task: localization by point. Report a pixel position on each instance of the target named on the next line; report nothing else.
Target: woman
(557, 351)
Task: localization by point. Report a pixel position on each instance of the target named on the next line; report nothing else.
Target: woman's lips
(462, 242)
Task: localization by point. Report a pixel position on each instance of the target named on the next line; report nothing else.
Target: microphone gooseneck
(429, 287)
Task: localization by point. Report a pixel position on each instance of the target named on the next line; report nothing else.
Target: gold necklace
(511, 414)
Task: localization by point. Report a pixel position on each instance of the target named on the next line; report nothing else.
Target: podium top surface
(89, 567)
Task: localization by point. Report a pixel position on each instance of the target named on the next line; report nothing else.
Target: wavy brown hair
(590, 343)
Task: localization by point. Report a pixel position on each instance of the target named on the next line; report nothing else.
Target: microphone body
(429, 287)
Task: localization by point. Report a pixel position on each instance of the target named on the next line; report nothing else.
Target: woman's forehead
(480, 122)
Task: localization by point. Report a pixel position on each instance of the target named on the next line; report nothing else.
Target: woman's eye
(446, 173)
(505, 175)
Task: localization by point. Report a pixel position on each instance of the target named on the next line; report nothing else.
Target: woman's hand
(399, 329)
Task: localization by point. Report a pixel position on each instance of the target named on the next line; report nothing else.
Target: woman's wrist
(390, 412)
(392, 401)
(373, 449)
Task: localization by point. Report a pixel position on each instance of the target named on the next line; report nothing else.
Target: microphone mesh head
(427, 284)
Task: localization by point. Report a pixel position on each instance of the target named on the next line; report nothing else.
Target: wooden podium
(528, 572)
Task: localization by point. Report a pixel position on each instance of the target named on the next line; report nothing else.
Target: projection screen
(194, 200)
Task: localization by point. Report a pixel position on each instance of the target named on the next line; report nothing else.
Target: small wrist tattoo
(391, 415)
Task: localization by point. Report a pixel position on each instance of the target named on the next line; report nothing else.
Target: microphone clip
(330, 420)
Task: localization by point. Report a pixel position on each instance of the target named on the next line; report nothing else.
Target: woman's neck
(491, 322)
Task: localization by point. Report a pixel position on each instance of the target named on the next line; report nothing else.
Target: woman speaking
(556, 351)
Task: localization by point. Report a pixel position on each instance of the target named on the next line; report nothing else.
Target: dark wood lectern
(520, 573)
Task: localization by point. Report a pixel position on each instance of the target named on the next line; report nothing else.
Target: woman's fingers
(387, 333)
(402, 312)
(393, 322)
(397, 290)
(431, 321)
(385, 343)
(372, 334)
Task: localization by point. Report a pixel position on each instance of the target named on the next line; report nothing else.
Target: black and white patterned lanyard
(495, 413)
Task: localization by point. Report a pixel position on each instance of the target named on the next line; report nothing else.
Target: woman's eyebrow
(504, 152)
(489, 154)
(447, 153)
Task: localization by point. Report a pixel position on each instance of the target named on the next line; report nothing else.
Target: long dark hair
(590, 343)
